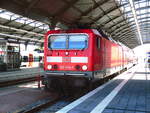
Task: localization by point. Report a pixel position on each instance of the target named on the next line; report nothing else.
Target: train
(12, 58)
(77, 57)
(30, 59)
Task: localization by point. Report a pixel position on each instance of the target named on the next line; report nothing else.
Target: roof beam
(33, 3)
(69, 5)
(141, 8)
(126, 36)
(96, 5)
(21, 30)
(125, 32)
(118, 23)
(121, 21)
(116, 31)
(12, 20)
(131, 41)
(130, 21)
(124, 26)
(111, 20)
(31, 30)
(107, 22)
(26, 24)
(19, 37)
(106, 13)
(42, 30)
(19, 9)
(145, 28)
(127, 18)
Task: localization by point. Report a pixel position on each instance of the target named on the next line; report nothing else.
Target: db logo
(66, 59)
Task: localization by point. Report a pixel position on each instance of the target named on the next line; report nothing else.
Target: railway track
(17, 81)
(47, 105)
(55, 107)
(37, 106)
(50, 105)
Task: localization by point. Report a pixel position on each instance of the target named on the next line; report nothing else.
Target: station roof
(16, 28)
(126, 21)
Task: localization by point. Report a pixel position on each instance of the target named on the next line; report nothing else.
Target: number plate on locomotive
(66, 59)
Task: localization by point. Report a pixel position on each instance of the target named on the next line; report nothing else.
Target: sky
(140, 51)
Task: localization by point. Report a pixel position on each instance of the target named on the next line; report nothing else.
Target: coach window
(98, 42)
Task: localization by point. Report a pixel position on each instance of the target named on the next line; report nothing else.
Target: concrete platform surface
(14, 98)
(126, 93)
(19, 74)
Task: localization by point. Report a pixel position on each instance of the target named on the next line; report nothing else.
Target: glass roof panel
(17, 18)
(5, 15)
(142, 13)
(9, 17)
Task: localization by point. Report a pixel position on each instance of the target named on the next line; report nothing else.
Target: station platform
(20, 74)
(127, 93)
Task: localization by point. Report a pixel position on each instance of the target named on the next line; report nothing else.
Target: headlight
(84, 67)
(49, 67)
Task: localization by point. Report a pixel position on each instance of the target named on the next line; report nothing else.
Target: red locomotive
(81, 55)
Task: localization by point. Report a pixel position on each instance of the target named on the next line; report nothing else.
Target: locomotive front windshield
(71, 41)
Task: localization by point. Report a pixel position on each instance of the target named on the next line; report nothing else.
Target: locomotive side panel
(99, 56)
(113, 57)
(97, 53)
(107, 54)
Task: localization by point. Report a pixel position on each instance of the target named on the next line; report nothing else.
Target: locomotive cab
(67, 54)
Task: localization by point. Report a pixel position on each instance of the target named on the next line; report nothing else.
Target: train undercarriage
(67, 84)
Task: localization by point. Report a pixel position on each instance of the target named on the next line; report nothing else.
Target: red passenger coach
(82, 54)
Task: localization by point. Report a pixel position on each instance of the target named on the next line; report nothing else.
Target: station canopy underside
(126, 21)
